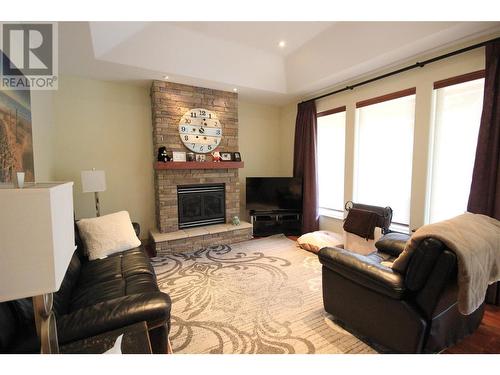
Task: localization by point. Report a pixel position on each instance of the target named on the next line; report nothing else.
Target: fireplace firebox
(201, 205)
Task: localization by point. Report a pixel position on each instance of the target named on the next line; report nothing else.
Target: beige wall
(288, 114)
(107, 126)
(42, 112)
(259, 143)
(423, 80)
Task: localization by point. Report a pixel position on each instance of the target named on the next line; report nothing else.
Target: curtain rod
(410, 67)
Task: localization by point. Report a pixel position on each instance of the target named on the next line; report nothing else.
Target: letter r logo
(29, 48)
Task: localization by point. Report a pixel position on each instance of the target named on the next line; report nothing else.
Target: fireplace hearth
(201, 204)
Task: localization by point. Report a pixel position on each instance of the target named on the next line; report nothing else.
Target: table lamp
(37, 243)
(94, 182)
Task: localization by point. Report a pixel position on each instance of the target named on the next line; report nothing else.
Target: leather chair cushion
(8, 326)
(154, 308)
(117, 266)
(363, 270)
(63, 296)
(392, 243)
(422, 262)
(23, 309)
(119, 275)
(111, 289)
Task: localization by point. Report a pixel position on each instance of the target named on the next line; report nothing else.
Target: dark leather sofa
(95, 297)
(411, 313)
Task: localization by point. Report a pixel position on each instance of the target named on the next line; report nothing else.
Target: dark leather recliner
(411, 313)
(95, 297)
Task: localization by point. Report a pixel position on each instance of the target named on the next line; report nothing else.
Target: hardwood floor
(486, 339)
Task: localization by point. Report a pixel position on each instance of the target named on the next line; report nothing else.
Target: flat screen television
(274, 194)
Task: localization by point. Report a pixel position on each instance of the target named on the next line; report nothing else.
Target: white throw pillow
(315, 241)
(108, 234)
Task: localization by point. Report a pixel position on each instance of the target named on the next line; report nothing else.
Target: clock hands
(200, 130)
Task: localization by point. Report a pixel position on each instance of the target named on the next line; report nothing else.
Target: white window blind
(456, 126)
(331, 156)
(383, 155)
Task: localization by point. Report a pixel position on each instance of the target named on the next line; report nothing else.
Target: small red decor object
(216, 156)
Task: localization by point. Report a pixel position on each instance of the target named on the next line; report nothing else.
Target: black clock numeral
(209, 148)
(201, 148)
(183, 128)
(193, 114)
(188, 121)
(193, 144)
(186, 137)
(210, 115)
(203, 113)
(217, 132)
(215, 123)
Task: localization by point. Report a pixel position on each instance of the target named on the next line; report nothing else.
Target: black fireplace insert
(199, 205)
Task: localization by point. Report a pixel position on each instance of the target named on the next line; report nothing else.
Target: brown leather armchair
(411, 313)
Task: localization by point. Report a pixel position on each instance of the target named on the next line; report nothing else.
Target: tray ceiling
(246, 55)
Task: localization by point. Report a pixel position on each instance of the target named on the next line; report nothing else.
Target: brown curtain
(484, 195)
(305, 165)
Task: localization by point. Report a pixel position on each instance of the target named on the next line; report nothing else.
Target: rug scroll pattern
(259, 296)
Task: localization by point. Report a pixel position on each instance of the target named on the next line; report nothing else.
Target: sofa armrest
(364, 271)
(392, 243)
(153, 308)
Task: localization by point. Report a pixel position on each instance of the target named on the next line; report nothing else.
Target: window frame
(402, 227)
(446, 82)
(456, 80)
(325, 211)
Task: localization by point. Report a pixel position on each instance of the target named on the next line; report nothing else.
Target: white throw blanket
(475, 239)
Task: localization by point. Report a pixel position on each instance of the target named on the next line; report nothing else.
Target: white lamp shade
(37, 239)
(93, 181)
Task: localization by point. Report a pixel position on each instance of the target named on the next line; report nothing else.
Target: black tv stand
(266, 223)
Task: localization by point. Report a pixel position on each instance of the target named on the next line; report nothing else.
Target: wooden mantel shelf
(199, 165)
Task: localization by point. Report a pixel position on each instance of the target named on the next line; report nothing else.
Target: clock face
(200, 130)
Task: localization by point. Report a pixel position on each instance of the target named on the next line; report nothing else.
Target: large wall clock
(200, 130)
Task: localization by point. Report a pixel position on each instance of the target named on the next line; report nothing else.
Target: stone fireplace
(169, 103)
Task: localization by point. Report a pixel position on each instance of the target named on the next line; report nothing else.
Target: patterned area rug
(259, 296)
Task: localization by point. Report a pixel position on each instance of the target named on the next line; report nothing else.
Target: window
(456, 126)
(384, 150)
(331, 151)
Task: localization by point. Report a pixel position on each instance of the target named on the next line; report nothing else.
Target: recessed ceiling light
(235, 89)
(282, 44)
(165, 77)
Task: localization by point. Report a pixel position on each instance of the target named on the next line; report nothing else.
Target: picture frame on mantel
(225, 156)
(179, 156)
(236, 156)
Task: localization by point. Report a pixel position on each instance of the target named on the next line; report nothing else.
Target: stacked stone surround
(171, 100)
(169, 103)
(197, 238)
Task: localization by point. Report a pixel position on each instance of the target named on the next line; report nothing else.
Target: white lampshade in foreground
(37, 239)
(93, 181)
